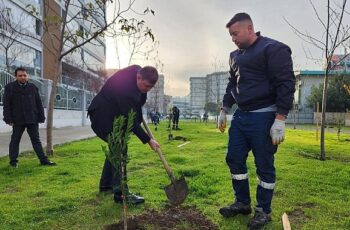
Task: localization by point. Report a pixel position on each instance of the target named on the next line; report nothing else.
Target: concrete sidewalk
(60, 136)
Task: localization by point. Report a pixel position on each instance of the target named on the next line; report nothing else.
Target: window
(63, 12)
(38, 27)
(5, 19)
(37, 59)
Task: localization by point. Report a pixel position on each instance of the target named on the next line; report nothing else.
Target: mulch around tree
(171, 218)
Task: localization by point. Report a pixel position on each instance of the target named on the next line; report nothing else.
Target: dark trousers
(33, 132)
(175, 122)
(110, 177)
(251, 131)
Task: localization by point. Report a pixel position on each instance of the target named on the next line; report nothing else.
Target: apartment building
(210, 88)
(82, 69)
(156, 97)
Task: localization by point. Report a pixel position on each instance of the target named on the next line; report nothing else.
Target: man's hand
(222, 121)
(277, 131)
(154, 144)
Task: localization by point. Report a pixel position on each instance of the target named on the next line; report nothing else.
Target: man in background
(23, 109)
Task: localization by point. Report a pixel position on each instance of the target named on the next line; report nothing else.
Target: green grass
(314, 193)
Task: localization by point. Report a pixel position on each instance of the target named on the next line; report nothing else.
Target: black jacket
(22, 104)
(261, 75)
(117, 97)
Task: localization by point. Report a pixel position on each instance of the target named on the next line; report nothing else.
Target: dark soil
(180, 138)
(172, 218)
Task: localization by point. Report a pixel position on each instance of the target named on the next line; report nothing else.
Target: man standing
(262, 84)
(176, 116)
(23, 109)
(126, 90)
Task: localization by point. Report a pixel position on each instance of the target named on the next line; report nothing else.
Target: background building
(15, 49)
(82, 71)
(198, 92)
(183, 104)
(155, 97)
(208, 89)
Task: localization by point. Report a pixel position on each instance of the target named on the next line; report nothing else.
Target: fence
(67, 97)
(334, 118)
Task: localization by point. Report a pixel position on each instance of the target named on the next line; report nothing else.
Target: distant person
(23, 109)
(262, 84)
(126, 90)
(176, 116)
(205, 118)
(158, 116)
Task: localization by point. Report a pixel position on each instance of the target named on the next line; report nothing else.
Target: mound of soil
(172, 218)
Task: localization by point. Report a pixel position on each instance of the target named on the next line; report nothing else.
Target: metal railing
(67, 97)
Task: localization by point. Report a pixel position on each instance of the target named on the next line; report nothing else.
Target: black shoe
(106, 189)
(234, 209)
(48, 163)
(259, 220)
(14, 164)
(130, 198)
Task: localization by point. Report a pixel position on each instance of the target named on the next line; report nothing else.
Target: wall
(333, 118)
(61, 118)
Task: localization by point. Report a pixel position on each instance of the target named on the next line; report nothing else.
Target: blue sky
(193, 36)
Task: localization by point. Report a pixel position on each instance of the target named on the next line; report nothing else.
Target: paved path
(60, 136)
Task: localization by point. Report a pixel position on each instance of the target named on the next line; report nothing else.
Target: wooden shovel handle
(161, 155)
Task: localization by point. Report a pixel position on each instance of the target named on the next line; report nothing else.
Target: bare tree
(336, 35)
(64, 34)
(9, 37)
(137, 45)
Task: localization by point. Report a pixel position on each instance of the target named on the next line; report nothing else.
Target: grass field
(314, 193)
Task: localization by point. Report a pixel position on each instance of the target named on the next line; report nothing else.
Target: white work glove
(222, 121)
(277, 131)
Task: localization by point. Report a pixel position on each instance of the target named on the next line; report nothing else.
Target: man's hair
(238, 18)
(20, 69)
(149, 73)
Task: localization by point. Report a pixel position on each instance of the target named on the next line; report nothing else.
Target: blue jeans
(251, 131)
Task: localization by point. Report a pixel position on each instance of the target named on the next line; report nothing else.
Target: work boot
(14, 164)
(47, 163)
(259, 220)
(130, 198)
(234, 209)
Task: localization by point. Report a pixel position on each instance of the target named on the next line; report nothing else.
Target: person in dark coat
(23, 109)
(176, 116)
(126, 90)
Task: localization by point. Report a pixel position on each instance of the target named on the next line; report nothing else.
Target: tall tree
(336, 35)
(71, 25)
(338, 99)
(9, 36)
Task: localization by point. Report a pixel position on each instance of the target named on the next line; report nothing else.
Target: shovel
(177, 191)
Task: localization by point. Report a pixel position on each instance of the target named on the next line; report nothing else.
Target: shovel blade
(177, 192)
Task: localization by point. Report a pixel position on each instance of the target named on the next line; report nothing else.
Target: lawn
(314, 193)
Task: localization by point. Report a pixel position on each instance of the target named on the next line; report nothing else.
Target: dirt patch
(297, 216)
(307, 205)
(10, 190)
(172, 218)
(180, 138)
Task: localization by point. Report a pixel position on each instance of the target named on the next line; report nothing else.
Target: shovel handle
(161, 155)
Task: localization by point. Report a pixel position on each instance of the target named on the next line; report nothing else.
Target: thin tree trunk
(50, 109)
(323, 117)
